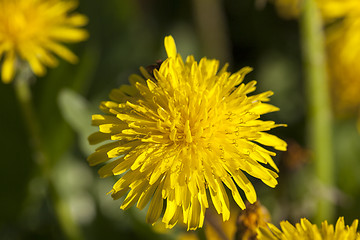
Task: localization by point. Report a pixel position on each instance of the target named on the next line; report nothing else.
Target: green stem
(213, 29)
(23, 94)
(319, 110)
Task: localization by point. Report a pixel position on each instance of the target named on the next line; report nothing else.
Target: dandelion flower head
(182, 132)
(343, 48)
(34, 30)
(307, 231)
(341, 23)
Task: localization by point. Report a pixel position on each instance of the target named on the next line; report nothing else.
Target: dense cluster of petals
(307, 231)
(180, 134)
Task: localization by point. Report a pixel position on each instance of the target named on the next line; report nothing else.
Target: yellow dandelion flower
(342, 24)
(343, 47)
(33, 30)
(307, 231)
(182, 132)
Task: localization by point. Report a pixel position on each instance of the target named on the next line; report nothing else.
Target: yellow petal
(107, 170)
(98, 119)
(97, 157)
(194, 217)
(66, 34)
(171, 216)
(61, 51)
(146, 196)
(122, 167)
(8, 68)
(271, 140)
(155, 207)
(36, 66)
(77, 20)
(98, 137)
(130, 199)
(30, 54)
(170, 211)
(170, 46)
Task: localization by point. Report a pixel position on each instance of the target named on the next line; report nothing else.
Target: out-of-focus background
(125, 35)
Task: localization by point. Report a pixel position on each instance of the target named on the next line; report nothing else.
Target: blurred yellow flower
(335, 9)
(32, 31)
(254, 216)
(343, 48)
(342, 20)
(307, 231)
(180, 133)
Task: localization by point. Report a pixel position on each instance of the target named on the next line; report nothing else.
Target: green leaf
(77, 112)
